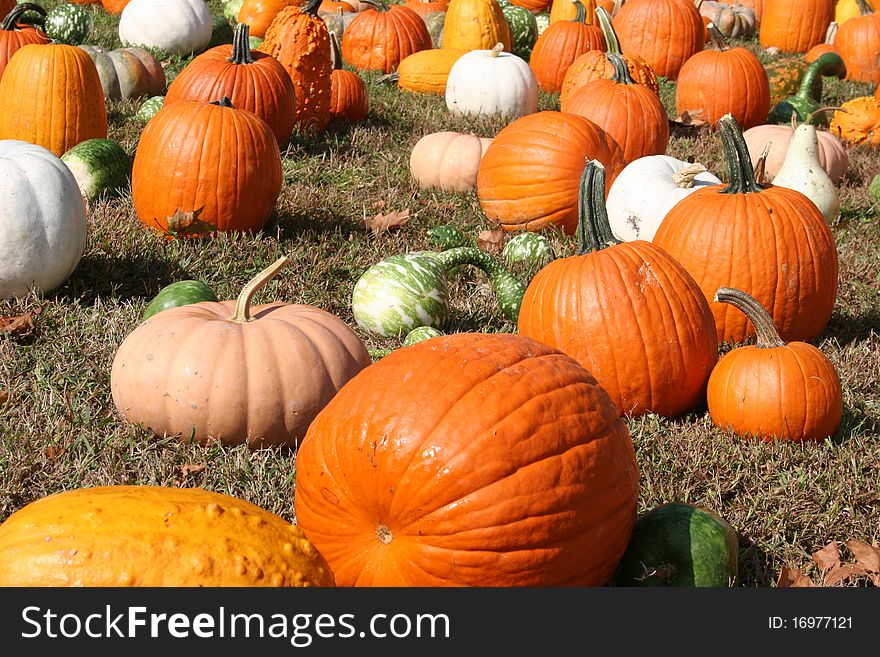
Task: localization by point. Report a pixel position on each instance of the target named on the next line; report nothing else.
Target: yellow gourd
(847, 9)
(475, 25)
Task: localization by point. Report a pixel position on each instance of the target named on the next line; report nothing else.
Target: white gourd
(802, 171)
(179, 27)
(491, 83)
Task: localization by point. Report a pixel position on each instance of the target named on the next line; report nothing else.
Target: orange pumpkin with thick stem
(530, 175)
(722, 81)
(631, 113)
(252, 80)
(388, 492)
(773, 390)
(69, 107)
(300, 40)
(380, 37)
(795, 25)
(559, 45)
(666, 33)
(349, 98)
(858, 42)
(220, 163)
(259, 14)
(769, 241)
(595, 65)
(626, 311)
(13, 35)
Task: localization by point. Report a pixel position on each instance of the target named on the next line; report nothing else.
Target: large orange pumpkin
(6, 6)
(560, 44)
(768, 241)
(666, 33)
(858, 42)
(51, 95)
(13, 35)
(529, 177)
(795, 25)
(259, 14)
(469, 460)
(383, 35)
(213, 161)
(626, 311)
(252, 80)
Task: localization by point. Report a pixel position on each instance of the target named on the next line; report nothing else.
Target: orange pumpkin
(380, 37)
(723, 81)
(626, 311)
(769, 241)
(422, 7)
(427, 70)
(858, 42)
(13, 35)
(534, 6)
(213, 161)
(336, 6)
(252, 80)
(665, 33)
(559, 45)
(858, 121)
(114, 6)
(530, 175)
(566, 10)
(259, 14)
(827, 46)
(773, 390)
(69, 107)
(299, 39)
(349, 98)
(469, 460)
(795, 25)
(8, 5)
(631, 113)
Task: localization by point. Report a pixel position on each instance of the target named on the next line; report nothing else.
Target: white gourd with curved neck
(802, 171)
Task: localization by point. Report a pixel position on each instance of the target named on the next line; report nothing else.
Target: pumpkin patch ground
(341, 179)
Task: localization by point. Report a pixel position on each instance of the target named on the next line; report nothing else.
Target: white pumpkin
(448, 160)
(802, 171)
(179, 27)
(647, 189)
(42, 220)
(491, 83)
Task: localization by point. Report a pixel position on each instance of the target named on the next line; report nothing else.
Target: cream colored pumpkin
(491, 83)
(733, 21)
(832, 153)
(179, 27)
(448, 160)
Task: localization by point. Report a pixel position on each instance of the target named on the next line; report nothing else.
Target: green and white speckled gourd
(532, 250)
(406, 291)
(418, 334)
(69, 23)
(523, 28)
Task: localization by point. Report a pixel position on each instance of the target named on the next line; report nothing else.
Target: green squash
(531, 250)
(100, 166)
(149, 108)
(70, 24)
(680, 545)
(807, 101)
(180, 293)
(421, 333)
(523, 28)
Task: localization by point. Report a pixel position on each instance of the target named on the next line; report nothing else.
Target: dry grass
(60, 429)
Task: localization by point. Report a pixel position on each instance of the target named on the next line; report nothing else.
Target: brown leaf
(828, 557)
(185, 224)
(842, 572)
(867, 555)
(53, 452)
(793, 578)
(491, 241)
(4, 397)
(19, 325)
(191, 469)
(689, 117)
(382, 222)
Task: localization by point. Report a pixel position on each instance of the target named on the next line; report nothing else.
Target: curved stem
(242, 312)
(335, 52)
(864, 8)
(13, 17)
(685, 177)
(594, 231)
(241, 46)
(768, 336)
(448, 237)
(739, 164)
(621, 70)
(612, 43)
(311, 7)
(717, 37)
(223, 102)
(822, 110)
(580, 15)
(496, 50)
(827, 64)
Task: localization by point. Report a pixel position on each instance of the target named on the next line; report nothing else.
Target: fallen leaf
(382, 222)
(828, 557)
(19, 325)
(793, 578)
(491, 241)
(192, 469)
(4, 397)
(53, 452)
(842, 572)
(187, 224)
(867, 555)
(690, 118)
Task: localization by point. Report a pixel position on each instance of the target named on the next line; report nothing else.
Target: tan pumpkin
(226, 372)
(448, 160)
(832, 153)
(733, 21)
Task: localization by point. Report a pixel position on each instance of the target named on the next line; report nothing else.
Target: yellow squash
(475, 25)
(427, 70)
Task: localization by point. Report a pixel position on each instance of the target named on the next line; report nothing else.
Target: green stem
(242, 312)
(580, 15)
(14, 16)
(594, 230)
(612, 43)
(621, 70)
(311, 7)
(241, 47)
(739, 163)
(864, 9)
(508, 289)
(717, 38)
(768, 336)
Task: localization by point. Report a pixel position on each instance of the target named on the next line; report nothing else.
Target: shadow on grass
(855, 422)
(303, 225)
(756, 567)
(846, 328)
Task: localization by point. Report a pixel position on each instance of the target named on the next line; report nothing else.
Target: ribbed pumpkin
(795, 25)
(349, 98)
(230, 373)
(595, 65)
(469, 460)
(771, 242)
(626, 311)
(69, 107)
(666, 33)
(299, 39)
(723, 81)
(427, 70)
(252, 81)
(534, 6)
(530, 175)
(113, 6)
(757, 6)
(380, 37)
(13, 36)
(154, 536)
(259, 14)
(422, 7)
(773, 390)
(858, 42)
(631, 113)
(447, 160)
(475, 25)
(566, 10)
(210, 159)
(559, 45)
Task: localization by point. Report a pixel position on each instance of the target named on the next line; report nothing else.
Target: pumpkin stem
(378, 5)
(13, 17)
(685, 177)
(621, 70)
(223, 102)
(831, 34)
(768, 336)
(739, 164)
(761, 165)
(821, 110)
(612, 43)
(717, 37)
(242, 312)
(864, 8)
(241, 46)
(580, 15)
(311, 7)
(497, 50)
(594, 231)
(335, 54)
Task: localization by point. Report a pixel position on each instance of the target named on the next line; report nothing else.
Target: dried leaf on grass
(53, 452)
(187, 224)
(491, 241)
(382, 222)
(793, 578)
(4, 397)
(843, 572)
(691, 118)
(19, 325)
(187, 470)
(828, 557)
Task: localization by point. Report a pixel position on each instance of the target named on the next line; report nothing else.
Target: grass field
(60, 429)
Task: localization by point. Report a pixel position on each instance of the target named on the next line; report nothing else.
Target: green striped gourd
(179, 293)
(100, 166)
(70, 24)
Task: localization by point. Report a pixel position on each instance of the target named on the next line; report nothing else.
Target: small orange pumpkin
(349, 98)
(113, 6)
(858, 42)
(560, 44)
(858, 121)
(380, 37)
